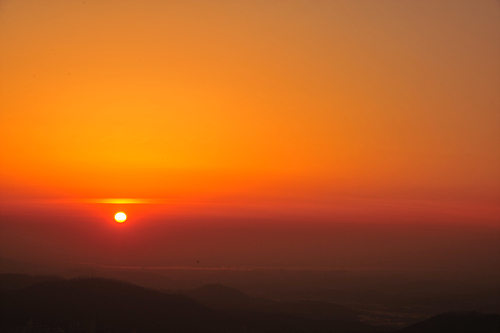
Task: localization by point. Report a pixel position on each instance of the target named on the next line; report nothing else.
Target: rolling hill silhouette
(51, 304)
(102, 305)
(111, 305)
(221, 297)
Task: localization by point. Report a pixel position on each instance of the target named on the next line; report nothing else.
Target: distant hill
(143, 278)
(221, 297)
(218, 296)
(102, 305)
(464, 322)
(96, 305)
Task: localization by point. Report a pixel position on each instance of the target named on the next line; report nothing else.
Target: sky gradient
(317, 111)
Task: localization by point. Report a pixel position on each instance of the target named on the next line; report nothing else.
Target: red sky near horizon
(312, 111)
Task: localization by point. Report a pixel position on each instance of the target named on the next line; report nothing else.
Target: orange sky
(287, 103)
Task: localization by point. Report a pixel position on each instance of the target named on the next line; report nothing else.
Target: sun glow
(120, 217)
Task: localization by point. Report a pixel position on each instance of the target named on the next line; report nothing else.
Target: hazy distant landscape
(275, 300)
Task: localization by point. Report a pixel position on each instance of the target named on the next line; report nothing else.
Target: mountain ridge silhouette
(53, 304)
(105, 305)
(219, 297)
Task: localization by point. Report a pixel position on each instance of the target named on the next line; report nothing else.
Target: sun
(120, 217)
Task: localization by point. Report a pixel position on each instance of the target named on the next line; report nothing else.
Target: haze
(331, 134)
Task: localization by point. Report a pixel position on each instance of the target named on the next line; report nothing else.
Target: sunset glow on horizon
(320, 112)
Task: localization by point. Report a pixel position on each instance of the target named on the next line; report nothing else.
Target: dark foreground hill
(81, 305)
(48, 304)
(100, 305)
(465, 322)
(220, 297)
